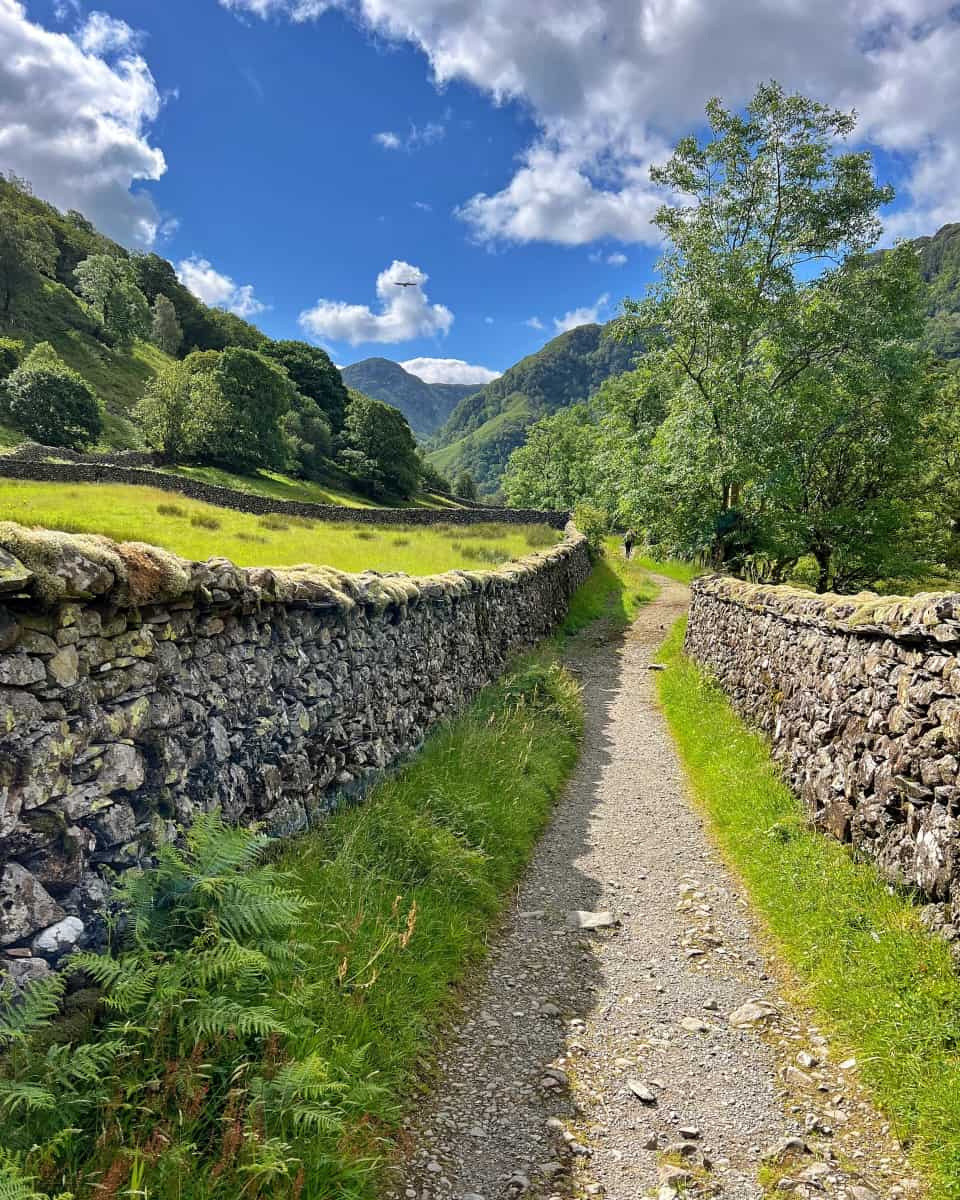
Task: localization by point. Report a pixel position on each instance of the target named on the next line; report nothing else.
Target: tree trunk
(823, 554)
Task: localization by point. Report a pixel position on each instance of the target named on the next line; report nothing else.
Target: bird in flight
(404, 283)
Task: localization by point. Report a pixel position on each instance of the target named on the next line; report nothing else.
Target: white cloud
(296, 10)
(102, 34)
(588, 315)
(405, 312)
(534, 323)
(423, 205)
(449, 370)
(77, 126)
(213, 287)
(417, 137)
(611, 84)
(488, 320)
(616, 259)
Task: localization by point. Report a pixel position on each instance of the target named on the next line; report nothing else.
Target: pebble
(641, 1091)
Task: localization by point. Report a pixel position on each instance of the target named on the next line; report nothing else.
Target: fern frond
(25, 1098)
(15, 1184)
(30, 1010)
(225, 1017)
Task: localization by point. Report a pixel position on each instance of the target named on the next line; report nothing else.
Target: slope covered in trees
(940, 267)
(487, 426)
(425, 405)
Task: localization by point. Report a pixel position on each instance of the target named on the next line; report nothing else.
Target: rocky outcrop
(860, 696)
(138, 689)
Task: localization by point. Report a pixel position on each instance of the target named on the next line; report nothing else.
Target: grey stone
(580, 919)
(14, 576)
(60, 938)
(642, 1091)
(25, 905)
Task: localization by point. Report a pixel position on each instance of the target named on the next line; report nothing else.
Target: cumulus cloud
(449, 370)
(405, 312)
(102, 34)
(213, 287)
(77, 125)
(534, 323)
(296, 10)
(612, 83)
(588, 315)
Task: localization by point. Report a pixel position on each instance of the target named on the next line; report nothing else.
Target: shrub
(401, 541)
(594, 523)
(171, 510)
(51, 403)
(10, 352)
(539, 536)
(204, 521)
(243, 536)
(365, 535)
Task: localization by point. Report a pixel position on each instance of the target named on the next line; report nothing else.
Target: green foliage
(11, 352)
(229, 1048)
(314, 377)
(27, 249)
(308, 438)
(379, 449)
(556, 466)
(164, 411)
(108, 284)
(487, 426)
(165, 330)
(940, 267)
(594, 523)
(50, 403)
(882, 988)
(465, 487)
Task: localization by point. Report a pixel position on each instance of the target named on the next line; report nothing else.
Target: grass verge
(259, 1041)
(884, 987)
(615, 589)
(198, 531)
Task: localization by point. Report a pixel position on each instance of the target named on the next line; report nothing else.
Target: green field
(199, 531)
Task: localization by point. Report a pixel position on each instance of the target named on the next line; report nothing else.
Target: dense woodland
(195, 383)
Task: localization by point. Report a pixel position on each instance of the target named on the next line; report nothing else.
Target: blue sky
(510, 174)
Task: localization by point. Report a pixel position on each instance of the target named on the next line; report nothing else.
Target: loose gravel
(628, 1035)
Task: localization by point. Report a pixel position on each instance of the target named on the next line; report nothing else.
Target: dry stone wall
(138, 689)
(860, 696)
(113, 472)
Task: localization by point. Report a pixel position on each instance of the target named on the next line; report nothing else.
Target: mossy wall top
(137, 688)
(860, 696)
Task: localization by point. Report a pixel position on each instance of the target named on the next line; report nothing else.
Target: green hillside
(488, 425)
(940, 264)
(425, 405)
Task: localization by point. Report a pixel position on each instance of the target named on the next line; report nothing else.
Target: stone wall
(860, 696)
(112, 472)
(137, 689)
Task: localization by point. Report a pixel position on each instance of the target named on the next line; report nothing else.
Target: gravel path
(592, 1062)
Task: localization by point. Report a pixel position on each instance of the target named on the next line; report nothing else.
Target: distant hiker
(628, 539)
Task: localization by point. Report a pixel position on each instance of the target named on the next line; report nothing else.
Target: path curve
(536, 1089)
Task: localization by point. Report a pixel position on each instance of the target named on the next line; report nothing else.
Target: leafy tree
(27, 249)
(308, 436)
(380, 448)
(108, 284)
(466, 487)
(430, 477)
(164, 412)
(768, 303)
(165, 330)
(556, 466)
(51, 403)
(314, 376)
(238, 398)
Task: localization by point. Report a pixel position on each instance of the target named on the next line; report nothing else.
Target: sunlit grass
(883, 987)
(200, 531)
(616, 588)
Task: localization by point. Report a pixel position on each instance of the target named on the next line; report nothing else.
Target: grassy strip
(883, 986)
(615, 589)
(232, 1061)
(198, 531)
(682, 572)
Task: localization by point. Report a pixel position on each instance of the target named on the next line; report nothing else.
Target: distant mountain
(487, 426)
(940, 265)
(425, 405)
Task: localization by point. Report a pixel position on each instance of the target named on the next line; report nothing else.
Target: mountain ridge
(426, 406)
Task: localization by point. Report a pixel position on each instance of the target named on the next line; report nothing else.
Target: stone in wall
(138, 689)
(860, 697)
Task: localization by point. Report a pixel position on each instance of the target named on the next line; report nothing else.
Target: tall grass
(230, 1061)
(882, 985)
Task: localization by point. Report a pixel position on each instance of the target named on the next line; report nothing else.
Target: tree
(768, 301)
(555, 467)
(109, 286)
(165, 330)
(308, 436)
(27, 249)
(51, 403)
(237, 400)
(10, 355)
(466, 487)
(314, 376)
(379, 448)
(164, 412)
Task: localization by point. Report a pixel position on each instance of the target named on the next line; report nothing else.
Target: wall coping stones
(926, 616)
